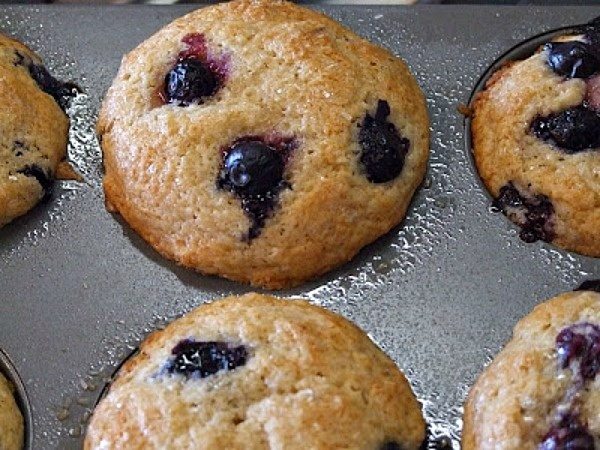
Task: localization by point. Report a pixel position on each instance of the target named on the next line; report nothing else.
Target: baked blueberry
(390, 445)
(568, 435)
(578, 348)
(253, 170)
(572, 130)
(589, 285)
(202, 359)
(61, 91)
(383, 149)
(190, 81)
(573, 59)
(41, 176)
(533, 213)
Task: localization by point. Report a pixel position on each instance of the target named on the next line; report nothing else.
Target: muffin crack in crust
(33, 129)
(536, 130)
(234, 142)
(280, 374)
(541, 392)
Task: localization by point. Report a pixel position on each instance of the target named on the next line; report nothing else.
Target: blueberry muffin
(536, 141)
(256, 372)
(11, 420)
(262, 142)
(33, 129)
(542, 392)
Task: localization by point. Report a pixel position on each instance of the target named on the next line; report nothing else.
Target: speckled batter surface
(310, 380)
(288, 74)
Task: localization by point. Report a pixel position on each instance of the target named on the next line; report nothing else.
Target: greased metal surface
(439, 294)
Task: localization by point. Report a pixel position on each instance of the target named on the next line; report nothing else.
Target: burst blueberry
(532, 213)
(202, 359)
(383, 149)
(573, 59)
(190, 81)
(580, 343)
(573, 130)
(41, 176)
(569, 434)
(62, 92)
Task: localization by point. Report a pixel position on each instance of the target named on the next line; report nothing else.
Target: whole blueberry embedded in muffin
(383, 149)
(569, 434)
(196, 75)
(573, 59)
(573, 130)
(41, 176)
(202, 359)
(190, 81)
(578, 348)
(589, 285)
(253, 170)
(533, 213)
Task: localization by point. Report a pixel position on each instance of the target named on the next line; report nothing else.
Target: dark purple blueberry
(42, 177)
(580, 343)
(590, 285)
(569, 434)
(383, 150)
(190, 81)
(573, 59)
(253, 170)
(61, 92)
(573, 130)
(390, 445)
(532, 213)
(202, 359)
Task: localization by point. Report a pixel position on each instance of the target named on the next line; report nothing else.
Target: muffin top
(536, 141)
(262, 142)
(256, 372)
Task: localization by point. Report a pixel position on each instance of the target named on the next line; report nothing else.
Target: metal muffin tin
(440, 293)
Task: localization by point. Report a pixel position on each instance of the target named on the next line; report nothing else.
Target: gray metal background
(440, 294)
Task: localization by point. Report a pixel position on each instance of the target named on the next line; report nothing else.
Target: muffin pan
(439, 294)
